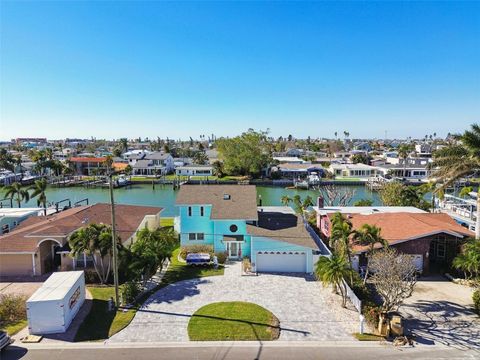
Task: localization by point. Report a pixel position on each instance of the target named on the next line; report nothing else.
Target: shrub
(221, 257)
(185, 250)
(91, 276)
(371, 311)
(12, 309)
(476, 301)
(130, 291)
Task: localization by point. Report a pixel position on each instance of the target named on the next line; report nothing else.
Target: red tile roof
(402, 226)
(26, 237)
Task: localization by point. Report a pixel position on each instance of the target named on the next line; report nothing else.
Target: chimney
(320, 202)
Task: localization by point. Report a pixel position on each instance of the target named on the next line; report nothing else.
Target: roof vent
(226, 196)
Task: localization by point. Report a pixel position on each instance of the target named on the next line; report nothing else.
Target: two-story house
(155, 163)
(228, 218)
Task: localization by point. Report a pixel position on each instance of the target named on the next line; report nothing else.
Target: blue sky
(104, 69)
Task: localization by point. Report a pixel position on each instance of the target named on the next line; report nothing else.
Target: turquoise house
(228, 218)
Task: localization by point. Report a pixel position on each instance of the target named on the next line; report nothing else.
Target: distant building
(194, 170)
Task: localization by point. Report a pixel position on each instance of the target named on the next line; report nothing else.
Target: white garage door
(281, 261)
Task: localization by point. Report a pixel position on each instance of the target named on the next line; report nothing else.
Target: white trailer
(52, 307)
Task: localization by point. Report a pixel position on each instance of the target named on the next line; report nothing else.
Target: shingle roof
(26, 236)
(283, 227)
(242, 203)
(399, 227)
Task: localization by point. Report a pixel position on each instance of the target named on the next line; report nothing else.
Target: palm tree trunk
(477, 220)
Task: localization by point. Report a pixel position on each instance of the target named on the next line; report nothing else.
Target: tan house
(40, 244)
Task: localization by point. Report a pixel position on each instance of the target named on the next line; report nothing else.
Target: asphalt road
(240, 353)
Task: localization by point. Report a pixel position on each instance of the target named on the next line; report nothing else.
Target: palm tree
(403, 152)
(369, 235)
(39, 190)
(332, 271)
(15, 191)
(458, 160)
(340, 235)
(469, 260)
(286, 200)
(95, 240)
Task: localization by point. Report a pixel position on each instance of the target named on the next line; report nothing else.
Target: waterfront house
(432, 239)
(84, 165)
(353, 171)
(194, 170)
(295, 170)
(154, 163)
(228, 218)
(40, 243)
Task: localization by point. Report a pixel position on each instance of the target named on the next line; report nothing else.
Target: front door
(232, 249)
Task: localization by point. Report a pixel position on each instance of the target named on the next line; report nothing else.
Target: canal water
(164, 195)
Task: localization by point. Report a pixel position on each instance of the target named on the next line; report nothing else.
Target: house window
(196, 236)
(189, 211)
(201, 210)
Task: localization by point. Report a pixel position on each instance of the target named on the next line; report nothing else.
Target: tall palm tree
(39, 190)
(458, 160)
(340, 236)
(403, 151)
(15, 191)
(332, 271)
(369, 235)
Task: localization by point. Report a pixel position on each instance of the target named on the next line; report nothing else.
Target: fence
(353, 298)
(325, 251)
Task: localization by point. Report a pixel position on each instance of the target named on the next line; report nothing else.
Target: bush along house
(228, 218)
(433, 239)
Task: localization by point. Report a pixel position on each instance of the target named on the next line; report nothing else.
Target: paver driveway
(305, 309)
(440, 311)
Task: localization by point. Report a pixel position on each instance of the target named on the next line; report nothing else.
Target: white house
(155, 163)
(194, 170)
(357, 171)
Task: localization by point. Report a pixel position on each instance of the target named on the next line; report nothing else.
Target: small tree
(15, 191)
(394, 277)
(150, 250)
(363, 202)
(334, 196)
(369, 235)
(332, 271)
(469, 260)
(95, 240)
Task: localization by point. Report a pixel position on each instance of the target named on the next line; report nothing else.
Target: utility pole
(114, 242)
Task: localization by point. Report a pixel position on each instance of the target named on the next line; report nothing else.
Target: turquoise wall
(267, 244)
(14, 221)
(214, 230)
(196, 224)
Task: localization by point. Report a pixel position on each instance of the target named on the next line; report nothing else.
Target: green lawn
(236, 320)
(101, 324)
(368, 337)
(166, 221)
(12, 329)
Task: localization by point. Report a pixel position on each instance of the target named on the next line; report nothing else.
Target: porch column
(34, 267)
